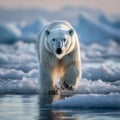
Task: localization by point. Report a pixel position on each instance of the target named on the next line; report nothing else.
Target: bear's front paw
(53, 92)
(66, 86)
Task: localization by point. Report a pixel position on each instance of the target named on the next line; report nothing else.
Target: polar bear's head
(60, 41)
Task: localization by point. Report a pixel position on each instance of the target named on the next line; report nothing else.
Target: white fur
(67, 65)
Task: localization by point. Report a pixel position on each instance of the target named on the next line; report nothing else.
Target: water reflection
(46, 112)
(50, 114)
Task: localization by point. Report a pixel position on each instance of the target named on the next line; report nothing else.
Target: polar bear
(58, 52)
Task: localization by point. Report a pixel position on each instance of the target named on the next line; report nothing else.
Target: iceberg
(9, 33)
(98, 29)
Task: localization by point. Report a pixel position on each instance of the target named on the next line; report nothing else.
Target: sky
(108, 6)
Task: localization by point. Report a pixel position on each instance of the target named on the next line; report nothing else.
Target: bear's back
(59, 24)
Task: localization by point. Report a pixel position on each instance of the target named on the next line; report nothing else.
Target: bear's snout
(58, 50)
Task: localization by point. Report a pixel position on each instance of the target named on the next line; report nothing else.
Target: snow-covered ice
(111, 101)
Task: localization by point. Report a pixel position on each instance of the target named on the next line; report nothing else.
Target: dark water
(22, 107)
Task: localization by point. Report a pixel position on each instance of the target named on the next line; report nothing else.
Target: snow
(30, 78)
(107, 73)
(88, 86)
(19, 69)
(97, 52)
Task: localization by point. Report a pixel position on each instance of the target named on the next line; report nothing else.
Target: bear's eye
(53, 39)
(64, 39)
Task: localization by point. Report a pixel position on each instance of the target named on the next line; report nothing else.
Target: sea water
(27, 107)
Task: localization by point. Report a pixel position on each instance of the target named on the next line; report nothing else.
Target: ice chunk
(110, 101)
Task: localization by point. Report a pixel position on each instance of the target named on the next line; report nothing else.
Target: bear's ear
(71, 31)
(47, 32)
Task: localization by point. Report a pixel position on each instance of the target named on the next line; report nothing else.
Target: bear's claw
(66, 86)
(53, 92)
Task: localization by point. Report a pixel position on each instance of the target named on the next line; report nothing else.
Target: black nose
(58, 51)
